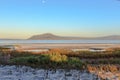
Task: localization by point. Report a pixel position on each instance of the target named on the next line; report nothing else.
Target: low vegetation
(106, 68)
(95, 55)
(57, 58)
(52, 60)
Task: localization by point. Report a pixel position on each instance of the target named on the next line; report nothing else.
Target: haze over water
(7, 42)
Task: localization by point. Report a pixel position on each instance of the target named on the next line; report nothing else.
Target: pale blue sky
(23, 18)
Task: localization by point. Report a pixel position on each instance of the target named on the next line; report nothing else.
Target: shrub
(32, 59)
(53, 60)
(19, 60)
(75, 62)
(56, 57)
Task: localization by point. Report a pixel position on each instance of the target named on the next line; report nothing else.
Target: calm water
(58, 41)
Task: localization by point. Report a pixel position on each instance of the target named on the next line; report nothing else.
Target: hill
(49, 36)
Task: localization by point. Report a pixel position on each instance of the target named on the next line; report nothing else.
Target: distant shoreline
(59, 42)
(67, 46)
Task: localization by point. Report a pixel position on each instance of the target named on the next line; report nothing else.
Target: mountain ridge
(49, 36)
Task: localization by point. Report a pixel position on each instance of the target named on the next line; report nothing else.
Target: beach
(67, 46)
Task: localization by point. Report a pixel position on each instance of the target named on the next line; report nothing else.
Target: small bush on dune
(57, 57)
(32, 60)
(75, 62)
(19, 60)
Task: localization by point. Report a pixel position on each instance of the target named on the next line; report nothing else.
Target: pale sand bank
(74, 47)
(68, 46)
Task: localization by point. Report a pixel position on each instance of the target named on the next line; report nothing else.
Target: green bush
(53, 60)
(75, 62)
(32, 59)
(19, 60)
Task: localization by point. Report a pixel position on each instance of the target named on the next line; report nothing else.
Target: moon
(43, 1)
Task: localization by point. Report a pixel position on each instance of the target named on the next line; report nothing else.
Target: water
(59, 41)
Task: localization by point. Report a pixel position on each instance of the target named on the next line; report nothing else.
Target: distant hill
(49, 36)
(112, 37)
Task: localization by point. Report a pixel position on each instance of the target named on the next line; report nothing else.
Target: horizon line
(59, 36)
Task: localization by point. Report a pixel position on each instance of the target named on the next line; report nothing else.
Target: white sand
(71, 46)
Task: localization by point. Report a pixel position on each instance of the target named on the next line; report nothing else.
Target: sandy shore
(69, 46)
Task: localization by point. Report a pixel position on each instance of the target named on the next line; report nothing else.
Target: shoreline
(72, 46)
(66, 45)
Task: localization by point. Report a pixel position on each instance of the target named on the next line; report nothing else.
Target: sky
(20, 19)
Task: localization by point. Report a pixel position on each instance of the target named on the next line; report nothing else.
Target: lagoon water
(59, 41)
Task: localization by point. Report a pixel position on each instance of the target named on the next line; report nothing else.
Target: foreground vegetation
(57, 58)
(53, 60)
(106, 65)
